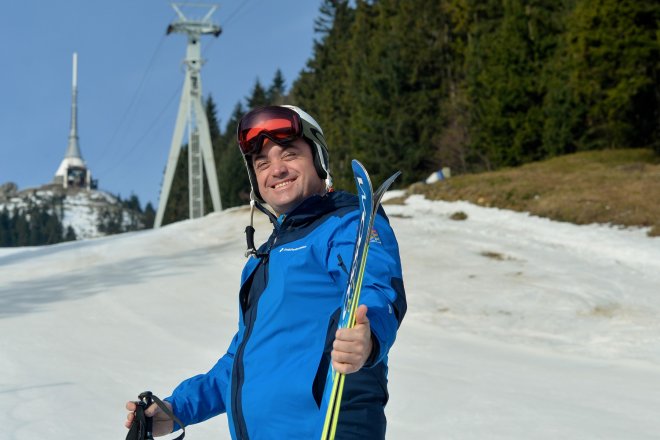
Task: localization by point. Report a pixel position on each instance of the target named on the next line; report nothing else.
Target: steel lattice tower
(192, 116)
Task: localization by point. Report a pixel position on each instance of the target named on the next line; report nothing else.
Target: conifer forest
(417, 85)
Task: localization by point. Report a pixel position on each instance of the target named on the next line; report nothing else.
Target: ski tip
(357, 166)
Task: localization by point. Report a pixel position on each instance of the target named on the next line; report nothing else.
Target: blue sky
(130, 76)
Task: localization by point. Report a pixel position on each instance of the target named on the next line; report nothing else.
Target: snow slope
(518, 327)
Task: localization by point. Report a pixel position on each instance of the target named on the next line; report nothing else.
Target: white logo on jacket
(293, 249)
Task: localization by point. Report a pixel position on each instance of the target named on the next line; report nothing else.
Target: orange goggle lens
(279, 124)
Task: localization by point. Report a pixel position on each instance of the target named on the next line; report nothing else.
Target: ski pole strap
(141, 428)
(138, 426)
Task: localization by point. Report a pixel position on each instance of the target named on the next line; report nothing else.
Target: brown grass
(620, 187)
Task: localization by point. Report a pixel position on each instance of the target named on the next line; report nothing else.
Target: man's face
(286, 175)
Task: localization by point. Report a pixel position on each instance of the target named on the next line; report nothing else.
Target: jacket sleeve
(382, 286)
(204, 396)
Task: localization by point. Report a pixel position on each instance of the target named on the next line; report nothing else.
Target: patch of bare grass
(458, 216)
(495, 256)
(620, 187)
(396, 200)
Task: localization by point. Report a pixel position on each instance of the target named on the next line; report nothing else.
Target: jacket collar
(317, 206)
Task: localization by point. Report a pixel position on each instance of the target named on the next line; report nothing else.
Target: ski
(369, 204)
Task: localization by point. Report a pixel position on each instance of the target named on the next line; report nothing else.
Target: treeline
(126, 216)
(32, 227)
(41, 224)
(475, 85)
(481, 84)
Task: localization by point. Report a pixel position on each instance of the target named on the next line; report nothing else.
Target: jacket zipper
(238, 375)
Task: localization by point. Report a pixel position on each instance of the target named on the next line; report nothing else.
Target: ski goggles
(279, 124)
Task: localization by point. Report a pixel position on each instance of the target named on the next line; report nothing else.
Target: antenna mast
(73, 171)
(73, 149)
(192, 115)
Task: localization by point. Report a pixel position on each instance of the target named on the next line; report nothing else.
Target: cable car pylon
(191, 115)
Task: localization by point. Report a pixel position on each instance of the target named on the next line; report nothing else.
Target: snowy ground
(517, 327)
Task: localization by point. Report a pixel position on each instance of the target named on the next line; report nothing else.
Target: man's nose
(278, 167)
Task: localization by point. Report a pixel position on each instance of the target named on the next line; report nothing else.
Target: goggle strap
(249, 230)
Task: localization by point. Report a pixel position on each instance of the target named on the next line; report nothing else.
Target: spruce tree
(258, 97)
(6, 238)
(21, 228)
(506, 59)
(612, 55)
(177, 204)
(277, 90)
(149, 216)
(215, 135)
(397, 86)
(234, 183)
(70, 234)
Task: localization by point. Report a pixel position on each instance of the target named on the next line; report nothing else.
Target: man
(271, 380)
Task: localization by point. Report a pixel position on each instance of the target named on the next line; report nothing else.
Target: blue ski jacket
(270, 381)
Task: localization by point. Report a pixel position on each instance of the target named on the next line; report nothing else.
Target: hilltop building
(73, 172)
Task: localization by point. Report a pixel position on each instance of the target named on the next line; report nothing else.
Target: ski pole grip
(146, 397)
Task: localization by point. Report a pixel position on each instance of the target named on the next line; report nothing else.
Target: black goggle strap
(141, 428)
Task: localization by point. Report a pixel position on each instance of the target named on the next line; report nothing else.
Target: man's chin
(281, 205)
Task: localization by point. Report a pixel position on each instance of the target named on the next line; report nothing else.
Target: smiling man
(270, 381)
(286, 174)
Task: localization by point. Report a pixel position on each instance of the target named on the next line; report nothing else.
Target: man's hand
(352, 346)
(162, 423)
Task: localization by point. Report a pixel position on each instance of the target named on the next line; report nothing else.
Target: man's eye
(261, 165)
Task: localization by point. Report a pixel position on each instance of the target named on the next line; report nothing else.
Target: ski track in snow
(517, 327)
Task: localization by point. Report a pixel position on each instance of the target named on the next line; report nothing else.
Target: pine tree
(177, 204)
(149, 216)
(258, 97)
(21, 228)
(212, 116)
(6, 238)
(612, 55)
(398, 86)
(215, 135)
(234, 183)
(52, 229)
(70, 234)
(506, 59)
(277, 90)
(131, 207)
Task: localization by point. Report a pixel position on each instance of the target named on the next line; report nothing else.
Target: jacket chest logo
(285, 249)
